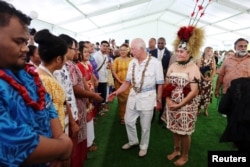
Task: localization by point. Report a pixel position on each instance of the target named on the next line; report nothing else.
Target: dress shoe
(128, 146)
(142, 152)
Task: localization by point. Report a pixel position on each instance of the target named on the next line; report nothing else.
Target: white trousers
(90, 133)
(130, 118)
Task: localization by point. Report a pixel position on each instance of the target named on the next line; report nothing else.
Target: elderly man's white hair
(139, 43)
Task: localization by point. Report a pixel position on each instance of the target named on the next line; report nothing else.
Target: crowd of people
(53, 89)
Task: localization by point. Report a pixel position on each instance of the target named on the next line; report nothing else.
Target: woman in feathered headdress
(181, 90)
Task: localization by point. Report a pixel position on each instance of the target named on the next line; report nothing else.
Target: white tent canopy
(95, 20)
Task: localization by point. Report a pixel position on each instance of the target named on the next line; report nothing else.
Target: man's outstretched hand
(111, 96)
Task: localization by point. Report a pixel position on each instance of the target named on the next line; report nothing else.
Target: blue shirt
(20, 124)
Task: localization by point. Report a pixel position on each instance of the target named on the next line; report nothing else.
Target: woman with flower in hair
(181, 92)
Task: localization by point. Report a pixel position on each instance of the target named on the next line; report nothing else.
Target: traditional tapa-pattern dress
(181, 121)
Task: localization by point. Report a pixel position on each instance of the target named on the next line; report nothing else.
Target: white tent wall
(95, 20)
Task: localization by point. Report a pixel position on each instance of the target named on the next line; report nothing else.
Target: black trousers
(243, 146)
(102, 88)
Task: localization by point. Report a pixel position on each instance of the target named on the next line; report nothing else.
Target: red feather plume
(185, 33)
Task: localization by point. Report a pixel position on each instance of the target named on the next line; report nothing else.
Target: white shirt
(63, 77)
(153, 75)
(103, 73)
(160, 54)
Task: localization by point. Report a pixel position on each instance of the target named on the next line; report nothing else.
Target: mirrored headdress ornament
(183, 45)
(190, 37)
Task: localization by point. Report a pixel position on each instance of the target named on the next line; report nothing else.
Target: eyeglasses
(161, 43)
(75, 49)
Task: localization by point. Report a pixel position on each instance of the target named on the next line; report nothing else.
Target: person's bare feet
(181, 161)
(173, 155)
(93, 147)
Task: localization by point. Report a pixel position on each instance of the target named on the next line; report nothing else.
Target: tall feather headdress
(190, 37)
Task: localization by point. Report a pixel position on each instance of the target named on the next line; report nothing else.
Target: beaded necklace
(138, 90)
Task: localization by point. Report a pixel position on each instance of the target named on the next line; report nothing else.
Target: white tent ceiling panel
(92, 6)
(181, 6)
(231, 26)
(212, 30)
(38, 24)
(220, 11)
(174, 19)
(242, 20)
(99, 7)
(49, 11)
(129, 24)
(112, 29)
(226, 36)
(106, 19)
(96, 20)
(240, 2)
(134, 31)
(245, 32)
(90, 34)
(60, 30)
(95, 33)
(79, 26)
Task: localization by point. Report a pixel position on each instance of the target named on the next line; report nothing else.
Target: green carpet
(110, 136)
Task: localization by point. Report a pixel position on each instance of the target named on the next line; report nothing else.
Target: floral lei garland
(40, 104)
(167, 91)
(142, 78)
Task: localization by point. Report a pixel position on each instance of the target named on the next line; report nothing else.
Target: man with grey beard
(234, 67)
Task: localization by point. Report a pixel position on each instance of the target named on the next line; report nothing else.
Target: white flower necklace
(138, 90)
